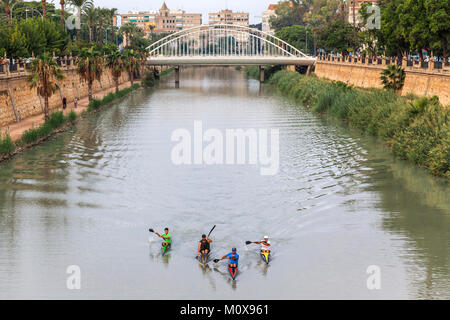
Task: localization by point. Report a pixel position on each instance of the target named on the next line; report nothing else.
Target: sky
(254, 7)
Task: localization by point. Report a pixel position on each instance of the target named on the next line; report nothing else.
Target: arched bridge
(224, 44)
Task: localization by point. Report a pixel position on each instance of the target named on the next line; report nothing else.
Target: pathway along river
(339, 204)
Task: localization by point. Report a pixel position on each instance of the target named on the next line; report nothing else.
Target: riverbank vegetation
(110, 97)
(7, 146)
(55, 120)
(415, 130)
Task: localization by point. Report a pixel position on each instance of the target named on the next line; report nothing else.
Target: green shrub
(96, 104)
(7, 146)
(56, 119)
(72, 116)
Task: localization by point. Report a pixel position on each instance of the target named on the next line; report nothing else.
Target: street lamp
(306, 41)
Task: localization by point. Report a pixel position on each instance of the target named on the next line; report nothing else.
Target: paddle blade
(151, 230)
(216, 260)
(248, 242)
(211, 230)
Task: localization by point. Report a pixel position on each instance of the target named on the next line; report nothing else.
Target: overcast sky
(254, 7)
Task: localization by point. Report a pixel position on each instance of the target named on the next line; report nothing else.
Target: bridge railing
(222, 40)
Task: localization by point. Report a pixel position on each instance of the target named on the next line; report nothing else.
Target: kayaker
(203, 245)
(167, 237)
(233, 256)
(265, 244)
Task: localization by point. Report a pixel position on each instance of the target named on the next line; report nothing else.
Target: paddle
(208, 236)
(216, 260)
(248, 242)
(211, 231)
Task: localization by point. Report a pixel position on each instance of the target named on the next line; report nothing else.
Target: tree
(82, 6)
(7, 5)
(115, 63)
(44, 77)
(91, 18)
(131, 62)
(289, 13)
(110, 15)
(102, 16)
(62, 3)
(16, 43)
(438, 12)
(44, 8)
(393, 38)
(297, 36)
(132, 34)
(336, 36)
(89, 66)
(369, 37)
(414, 24)
(43, 35)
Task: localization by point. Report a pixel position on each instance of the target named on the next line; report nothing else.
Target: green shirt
(167, 237)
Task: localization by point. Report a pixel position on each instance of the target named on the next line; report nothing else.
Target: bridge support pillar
(177, 75)
(308, 70)
(261, 74)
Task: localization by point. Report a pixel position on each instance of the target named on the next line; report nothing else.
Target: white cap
(266, 237)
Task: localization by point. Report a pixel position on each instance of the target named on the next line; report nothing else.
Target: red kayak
(233, 271)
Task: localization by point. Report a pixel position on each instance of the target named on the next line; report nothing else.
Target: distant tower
(164, 11)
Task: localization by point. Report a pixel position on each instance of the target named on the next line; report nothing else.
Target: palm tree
(152, 27)
(91, 18)
(44, 77)
(44, 8)
(131, 63)
(62, 3)
(89, 67)
(111, 14)
(130, 31)
(115, 63)
(102, 16)
(82, 6)
(7, 5)
(393, 77)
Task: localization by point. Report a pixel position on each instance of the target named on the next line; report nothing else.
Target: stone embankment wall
(365, 73)
(18, 101)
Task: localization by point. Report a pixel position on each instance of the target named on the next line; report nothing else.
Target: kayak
(265, 256)
(233, 271)
(204, 258)
(165, 248)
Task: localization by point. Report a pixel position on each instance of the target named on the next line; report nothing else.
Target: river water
(339, 204)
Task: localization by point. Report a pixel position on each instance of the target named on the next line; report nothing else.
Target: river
(339, 204)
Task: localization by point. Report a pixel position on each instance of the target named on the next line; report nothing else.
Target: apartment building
(266, 15)
(353, 9)
(229, 17)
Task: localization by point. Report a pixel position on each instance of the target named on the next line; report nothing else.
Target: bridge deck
(229, 60)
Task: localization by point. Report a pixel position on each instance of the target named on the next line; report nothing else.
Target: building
(353, 10)
(266, 15)
(162, 21)
(229, 17)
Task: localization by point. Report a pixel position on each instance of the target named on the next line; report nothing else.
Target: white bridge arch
(224, 44)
